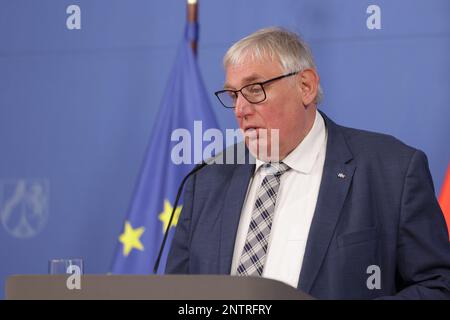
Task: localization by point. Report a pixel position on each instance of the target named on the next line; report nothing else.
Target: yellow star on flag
(131, 239)
(165, 215)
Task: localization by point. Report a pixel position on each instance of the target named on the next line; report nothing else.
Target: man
(336, 212)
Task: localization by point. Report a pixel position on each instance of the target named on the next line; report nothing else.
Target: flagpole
(192, 16)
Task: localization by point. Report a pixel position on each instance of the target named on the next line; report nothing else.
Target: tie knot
(276, 168)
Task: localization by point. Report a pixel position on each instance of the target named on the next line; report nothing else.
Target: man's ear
(309, 85)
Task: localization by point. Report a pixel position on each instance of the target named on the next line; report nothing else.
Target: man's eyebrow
(247, 80)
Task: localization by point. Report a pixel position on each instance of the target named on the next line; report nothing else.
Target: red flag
(444, 198)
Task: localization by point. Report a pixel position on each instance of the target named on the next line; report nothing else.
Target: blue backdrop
(77, 106)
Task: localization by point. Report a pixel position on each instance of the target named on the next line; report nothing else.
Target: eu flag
(185, 100)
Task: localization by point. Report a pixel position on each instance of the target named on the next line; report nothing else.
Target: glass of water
(65, 266)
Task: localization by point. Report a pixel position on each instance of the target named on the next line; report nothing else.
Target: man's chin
(261, 150)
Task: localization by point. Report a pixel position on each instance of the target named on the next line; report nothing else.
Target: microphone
(166, 233)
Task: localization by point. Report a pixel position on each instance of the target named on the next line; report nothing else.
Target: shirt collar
(303, 157)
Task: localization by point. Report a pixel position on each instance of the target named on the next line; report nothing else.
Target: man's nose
(242, 107)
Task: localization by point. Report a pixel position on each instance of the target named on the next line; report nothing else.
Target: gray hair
(279, 44)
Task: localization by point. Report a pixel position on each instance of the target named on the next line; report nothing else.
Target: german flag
(444, 198)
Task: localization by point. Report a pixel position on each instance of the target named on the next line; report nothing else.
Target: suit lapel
(336, 179)
(231, 213)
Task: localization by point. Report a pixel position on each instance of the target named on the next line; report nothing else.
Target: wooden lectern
(150, 287)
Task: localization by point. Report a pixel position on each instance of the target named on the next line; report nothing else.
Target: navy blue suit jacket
(384, 213)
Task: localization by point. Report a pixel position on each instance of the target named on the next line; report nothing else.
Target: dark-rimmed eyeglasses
(253, 93)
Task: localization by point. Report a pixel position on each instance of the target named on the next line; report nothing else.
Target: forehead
(249, 70)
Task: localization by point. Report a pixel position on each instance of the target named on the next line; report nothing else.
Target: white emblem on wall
(73, 22)
(24, 206)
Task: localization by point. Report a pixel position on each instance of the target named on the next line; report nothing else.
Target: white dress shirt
(294, 208)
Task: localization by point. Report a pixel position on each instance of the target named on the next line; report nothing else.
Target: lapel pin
(341, 175)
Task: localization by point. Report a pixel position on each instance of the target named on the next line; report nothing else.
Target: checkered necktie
(254, 253)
